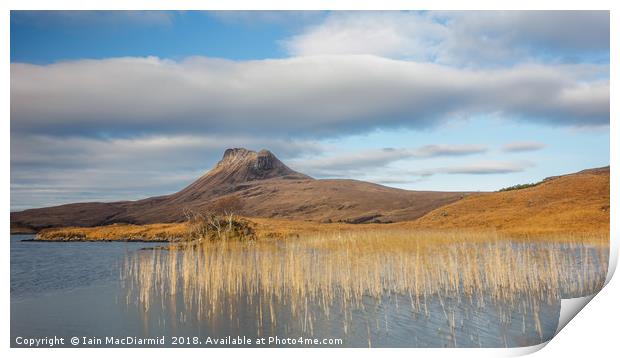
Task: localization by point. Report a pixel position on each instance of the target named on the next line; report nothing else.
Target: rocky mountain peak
(234, 154)
(242, 164)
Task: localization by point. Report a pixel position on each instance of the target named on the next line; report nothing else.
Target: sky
(109, 105)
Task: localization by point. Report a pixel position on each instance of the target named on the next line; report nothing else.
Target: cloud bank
(298, 97)
(379, 161)
(347, 164)
(463, 38)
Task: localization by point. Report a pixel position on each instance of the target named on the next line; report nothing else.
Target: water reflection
(371, 288)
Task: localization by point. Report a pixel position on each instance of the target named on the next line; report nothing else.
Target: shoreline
(102, 240)
(279, 229)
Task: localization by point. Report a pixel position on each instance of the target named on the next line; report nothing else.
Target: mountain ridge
(264, 186)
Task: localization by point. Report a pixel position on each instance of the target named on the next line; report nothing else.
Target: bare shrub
(211, 226)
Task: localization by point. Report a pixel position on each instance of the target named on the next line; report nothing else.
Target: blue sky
(44, 37)
(124, 105)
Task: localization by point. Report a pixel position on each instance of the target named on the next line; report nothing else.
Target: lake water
(75, 289)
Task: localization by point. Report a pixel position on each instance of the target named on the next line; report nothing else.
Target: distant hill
(576, 202)
(259, 185)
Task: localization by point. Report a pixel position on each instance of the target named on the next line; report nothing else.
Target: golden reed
(343, 268)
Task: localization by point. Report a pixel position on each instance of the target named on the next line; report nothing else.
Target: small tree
(219, 223)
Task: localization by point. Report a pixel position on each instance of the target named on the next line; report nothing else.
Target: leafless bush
(211, 226)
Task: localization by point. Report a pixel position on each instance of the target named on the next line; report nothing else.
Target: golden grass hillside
(575, 203)
(569, 204)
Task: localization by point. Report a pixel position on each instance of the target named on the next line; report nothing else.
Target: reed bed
(316, 274)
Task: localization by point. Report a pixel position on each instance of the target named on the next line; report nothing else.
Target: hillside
(260, 185)
(575, 203)
(568, 207)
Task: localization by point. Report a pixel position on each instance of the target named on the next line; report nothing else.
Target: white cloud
(296, 97)
(435, 150)
(486, 167)
(389, 34)
(472, 38)
(353, 163)
(341, 164)
(525, 146)
(476, 168)
(497, 37)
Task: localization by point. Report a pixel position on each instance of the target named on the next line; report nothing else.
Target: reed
(317, 273)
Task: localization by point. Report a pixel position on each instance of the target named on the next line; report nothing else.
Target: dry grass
(340, 269)
(576, 203)
(265, 228)
(117, 232)
(285, 229)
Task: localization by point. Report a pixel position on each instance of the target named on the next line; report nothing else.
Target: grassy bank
(118, 232)
(174, 232)
(282, 229)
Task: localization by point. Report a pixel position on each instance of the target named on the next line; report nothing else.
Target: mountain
(260, 185)
(576, 203)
